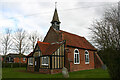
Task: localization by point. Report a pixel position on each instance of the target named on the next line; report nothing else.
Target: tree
(21, 44)
(106, 34)
(34, 37)
(6, 42)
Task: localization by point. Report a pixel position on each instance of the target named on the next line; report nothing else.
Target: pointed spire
(55, 17)
(55, 21)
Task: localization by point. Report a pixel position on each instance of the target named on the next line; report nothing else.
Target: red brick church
(62, 49)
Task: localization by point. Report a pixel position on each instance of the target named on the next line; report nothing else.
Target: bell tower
(55, 21)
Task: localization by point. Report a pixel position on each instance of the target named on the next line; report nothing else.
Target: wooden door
(37, 64)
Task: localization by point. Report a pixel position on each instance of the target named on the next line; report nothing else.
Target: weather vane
(55, 4)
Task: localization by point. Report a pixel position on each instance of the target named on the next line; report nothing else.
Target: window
(45, 61)
(86, 57)
(24, 59)
(39, 53)
(30, 61)
(76, 57)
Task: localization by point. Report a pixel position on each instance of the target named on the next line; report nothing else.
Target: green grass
(16, 73)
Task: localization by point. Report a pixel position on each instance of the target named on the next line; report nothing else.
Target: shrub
(12, 65)
(112, 59)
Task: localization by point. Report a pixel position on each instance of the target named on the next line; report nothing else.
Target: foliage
(34, 37)
(6, 42)
(12, 65)
(112, 60)
(106, 34)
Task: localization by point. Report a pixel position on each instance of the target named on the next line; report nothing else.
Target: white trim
(78, 57)
(24, 59)
(45, 63)
(39, 53)
(88, 57)
(29, 62)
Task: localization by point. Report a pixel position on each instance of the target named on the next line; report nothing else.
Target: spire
(55, 21)
(55, 17)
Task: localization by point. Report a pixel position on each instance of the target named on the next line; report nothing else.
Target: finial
(55, 5)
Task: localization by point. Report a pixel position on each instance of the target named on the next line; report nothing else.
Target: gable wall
(58, 58)
(51, 36)
(37, 51)
(16, 60)
(82, 66)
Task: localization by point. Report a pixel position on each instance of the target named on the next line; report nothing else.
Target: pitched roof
(30, 54)
(76, 41)
(15, 55)
(55, 17)
(49, 48)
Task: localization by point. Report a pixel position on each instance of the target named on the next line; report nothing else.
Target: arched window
(86, 57)
(76, 56)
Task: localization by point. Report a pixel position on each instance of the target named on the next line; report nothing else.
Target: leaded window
(86, 57)
(45, 60)
(76, 56)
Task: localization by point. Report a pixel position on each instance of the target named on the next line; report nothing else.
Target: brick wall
(67, 61)
(44, 71)
(51, 36)
(30, 68)
(98, 61)
(16, 60)
(82, 65)
(54, 71)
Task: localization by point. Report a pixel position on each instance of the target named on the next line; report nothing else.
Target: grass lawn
(16, 73)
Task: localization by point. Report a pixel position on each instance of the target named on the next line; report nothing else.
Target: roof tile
(76, 41)
(49, 48)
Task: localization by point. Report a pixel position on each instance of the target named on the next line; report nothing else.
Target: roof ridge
(72, 34)
(42, 42)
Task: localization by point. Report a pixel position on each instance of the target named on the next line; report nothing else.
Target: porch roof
(47, 48)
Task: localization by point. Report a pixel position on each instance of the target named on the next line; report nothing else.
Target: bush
(13, 65)
(112, 59)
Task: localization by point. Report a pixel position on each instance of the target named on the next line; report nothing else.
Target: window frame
(24, 59)
(87, 55)
(76, 57)
(44, 64)
(29, 62)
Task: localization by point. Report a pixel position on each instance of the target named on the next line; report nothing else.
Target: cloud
(76, 16)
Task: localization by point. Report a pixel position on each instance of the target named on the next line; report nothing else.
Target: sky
(76, 16)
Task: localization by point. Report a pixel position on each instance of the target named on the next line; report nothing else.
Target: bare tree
(21, 45)
(106, 34)
(34, 37)
(6, 42)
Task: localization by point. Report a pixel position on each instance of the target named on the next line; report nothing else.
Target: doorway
(37, 64)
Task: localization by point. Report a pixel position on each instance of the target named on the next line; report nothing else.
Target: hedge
(13, 65)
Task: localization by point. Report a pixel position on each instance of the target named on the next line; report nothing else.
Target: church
(62, 49)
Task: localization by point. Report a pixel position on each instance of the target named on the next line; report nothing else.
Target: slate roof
(15, 55)
(55, 17)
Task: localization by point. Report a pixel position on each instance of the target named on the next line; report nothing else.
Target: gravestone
(104, 67)
(65, 72)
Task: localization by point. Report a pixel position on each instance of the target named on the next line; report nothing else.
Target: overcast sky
(76, 16)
